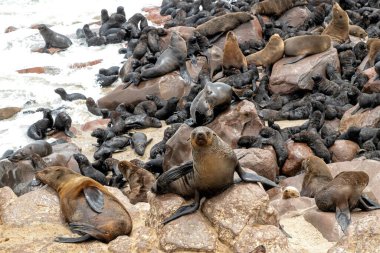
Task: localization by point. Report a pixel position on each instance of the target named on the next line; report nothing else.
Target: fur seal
(106, 81)
(272, 52)
(114, 70)
(141, 121)
(40, 147)
(219, 25)
(172, 58)
(69, 97)
(274, 7)
(139, 141)
(102, 135)
(338, 28)
(140, 181)
(317, 175)
(302, 46)
(92, 107)
(110, 146)
(87, 170)
(147, 107)
(314, 141)
(62, 122)
(53, 39)
(37, 131)
(168, 109)
(343, 194)
(141, 47)
(373, 46)
(89, 208)
(290, 192)
(367, 101)
(270, 136)
(357, 31)
(232, 55)
(211, 171)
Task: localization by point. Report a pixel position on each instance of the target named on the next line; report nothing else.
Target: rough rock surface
(295, 17)
(297, 151)
(293, 206)
(362, 118)
(343, 150)
(7, 112)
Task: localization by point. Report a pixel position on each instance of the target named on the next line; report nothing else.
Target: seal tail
(367, 204)
(343, 218)
(73, 239)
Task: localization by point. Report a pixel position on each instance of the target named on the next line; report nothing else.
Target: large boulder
(288, 78)
(295, 17)
(343, 150)
(297, 151)
(7, 112)
(292, 206)
(362, 118)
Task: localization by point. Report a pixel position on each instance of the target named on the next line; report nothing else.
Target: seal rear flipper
(343, 217)
(183, 210)
(249, 177)
(367, 204)
(298, 58)
(184, 73)
(94, 198)
(69, 134)
(73, 239)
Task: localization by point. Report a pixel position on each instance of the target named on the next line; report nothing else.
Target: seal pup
(140, 181)
(147, 107)
(172, 58)
(87, 170)
(168, 109)
(211, 171)
(53, 39)
(317, 175)
(302, 46)
(139, 142)
(367, 101)
(102, 135)
(338, 28)
(373, 46)
(92, 107)
(290, 192)
(314, 141)
(272, 52)
(37, 131)
(89, 208)
(62, 122)
(40, 147)
(232, 55)
(343, 194)
(69, 97)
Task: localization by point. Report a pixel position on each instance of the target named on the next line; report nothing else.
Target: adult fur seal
(69, 97)
(222, 24)
(211, 171)
(275, 7)
(172, 58)
(89, 208)
(338, 28)
(302, 46)
(232, 55)
(40, 147)
(272, 52)
(53, 39)
(140, 181)
(343, 194)
(317, 175)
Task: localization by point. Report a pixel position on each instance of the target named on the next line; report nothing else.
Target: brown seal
(275, 7)
(302, 46)
(357, 31)
(317, 175)
(373, 46)
(272, 52)
(338, 28)
(224, 23)
(89, 208)
(232, 55)
(210, 172)
(140, 181)
(290, 192)
(343, 194)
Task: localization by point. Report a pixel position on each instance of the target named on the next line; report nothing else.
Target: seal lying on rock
(211, 171)
(40, 147)
(89, 208)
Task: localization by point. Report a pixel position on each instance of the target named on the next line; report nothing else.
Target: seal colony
(240, 70)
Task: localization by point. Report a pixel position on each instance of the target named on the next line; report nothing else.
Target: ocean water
(64, 17)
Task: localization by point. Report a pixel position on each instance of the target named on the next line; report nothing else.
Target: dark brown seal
(53, 39)
(273, 51)
(89, 208)
(232, 55)
(140, 181)
(69, 97)
(275, 7)
(212, 170)
(172, 58)
(338, 28)
(317, 175)
(40, 147)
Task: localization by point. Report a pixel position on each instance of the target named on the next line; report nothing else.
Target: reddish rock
(297, 151)
(362, 118)
(343, 150)
(295, 17)
(85, 64)
(154, 16)
(185, 31)
(288, 78)
(7, 196)
(61, 135)
(40, 70)
(51, 50)
(91, 125)
(10, 29)
(262, 161)
(8, 112)
(373, 84)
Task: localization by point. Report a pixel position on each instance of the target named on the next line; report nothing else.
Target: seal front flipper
(69, 133)
(296, 59)
(183, 210)
(367, 204)
(249, 177)
(95, 198)
(184, 73)
(343, 217)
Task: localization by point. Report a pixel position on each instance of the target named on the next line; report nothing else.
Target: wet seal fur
(273, 51)
(53, 39)
(210, 172)
(69, 97)
(172, 58)
(89, 208)
(302, 46)
(338, 28)
(40, 147)
(232, 55)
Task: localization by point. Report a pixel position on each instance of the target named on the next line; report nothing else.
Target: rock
(153, 15)
(262, 161)
(231, 211)
(40, 70)
(293, 206)
(185, 31)
(39, 206)
(239, 119)
(91, 125)
(295, 17)
(269, 236)
(7, 196)
(286, 79)
(297, 151)
(363, 236)
(191, 233)
(245, 32)
(362, 118)
(60, 135)
(51, 50)
(7, 112)
(373, 84)
(85, 64)
(10, 29)
(343, 150)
